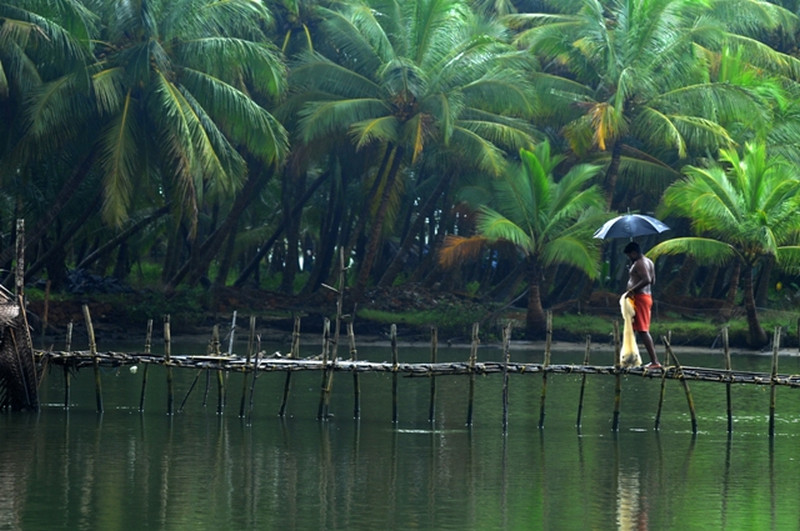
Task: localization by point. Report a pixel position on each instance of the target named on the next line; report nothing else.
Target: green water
(76, 469)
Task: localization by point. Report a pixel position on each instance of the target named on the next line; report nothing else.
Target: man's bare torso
(642, 268)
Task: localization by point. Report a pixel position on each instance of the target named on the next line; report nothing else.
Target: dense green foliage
(240, 142)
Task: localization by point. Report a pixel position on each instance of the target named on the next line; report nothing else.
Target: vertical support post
(322, 413)
(393, 334)
(618, 383)
(67, 375)
(506, 359)
(147, 343)
(434, 354)
(547, 346)
(583, 381)
(294, 353)
(246, 367)
(776, 342)
(728, 367)
(253, 382)
(662, 394)
(168, 363)
(682, 378)
(473, 357)
(19, 271)
(93, 350)
(356, 383)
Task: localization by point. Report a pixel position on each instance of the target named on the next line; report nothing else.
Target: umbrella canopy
(630, 226)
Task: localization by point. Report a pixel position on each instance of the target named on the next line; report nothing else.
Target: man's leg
(647, 339)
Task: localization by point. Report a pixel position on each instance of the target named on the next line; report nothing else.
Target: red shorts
(643, 304)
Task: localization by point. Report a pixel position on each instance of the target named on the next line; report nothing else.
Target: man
(641, 277)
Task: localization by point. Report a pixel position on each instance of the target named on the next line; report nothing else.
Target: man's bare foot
(653, 365)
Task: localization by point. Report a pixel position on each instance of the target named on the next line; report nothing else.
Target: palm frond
(703, 250)
(459, 249)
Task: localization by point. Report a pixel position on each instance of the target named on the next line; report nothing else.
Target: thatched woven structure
(18, 380)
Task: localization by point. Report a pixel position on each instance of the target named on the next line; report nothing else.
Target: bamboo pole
(434, 354)
(189, 392)
(221, 373)
(684, 382)
(618, 376)
(19, 271)
(67, 375)
(213, 349)
(247, 368)
(506, 360)
(322, 413)
(168, 361)
(776, 342)
(98, 387)
(147, 343)
(294, 353)
(393, 334)
(661, 395)
(253, 382)
(46, 309)
(548, 342)
(583, 381)
(473, 358)
(334, 343)
(356, 383)
(728, 368)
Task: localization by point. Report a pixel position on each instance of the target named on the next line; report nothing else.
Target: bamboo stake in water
(618, 383)
(583, 381)
(67, 376)
(473, 356)
(356, 384)
(246, 368)
(434, 353)
(253, 381)
(393, 334)
(776, 341)
(93, 349)
(506, 359)
(728, 384)
(221, 374)
(548, 342)
(662, 395)
(213, 349)
(681, 376)
(322, 413)
(147, 342)
(294, 353)
(168, 363)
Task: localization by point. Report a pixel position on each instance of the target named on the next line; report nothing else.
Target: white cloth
(629, 355)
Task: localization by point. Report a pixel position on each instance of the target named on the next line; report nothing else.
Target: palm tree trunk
(371, 251)
(535, 320)
(756, 336)
(733, 290)
(397, 263)
(613, 172)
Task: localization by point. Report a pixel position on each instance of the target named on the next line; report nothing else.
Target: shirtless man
(641, 276)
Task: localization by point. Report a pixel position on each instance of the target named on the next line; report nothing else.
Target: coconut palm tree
(175, 91)
(632, 80)
(743, 210)
(397, 77)
(549, 221)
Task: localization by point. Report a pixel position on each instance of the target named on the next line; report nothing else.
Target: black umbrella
(630, 226)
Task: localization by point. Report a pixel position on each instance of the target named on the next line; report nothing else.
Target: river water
(76, 469)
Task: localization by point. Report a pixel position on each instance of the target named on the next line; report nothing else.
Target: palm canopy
(742, 209)
(549, 221)
(178, 87)
(414, 72)
(630, 77)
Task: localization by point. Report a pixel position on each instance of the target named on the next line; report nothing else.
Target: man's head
(633, 250)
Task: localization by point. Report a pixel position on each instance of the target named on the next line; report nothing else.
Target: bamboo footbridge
(328, 362)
